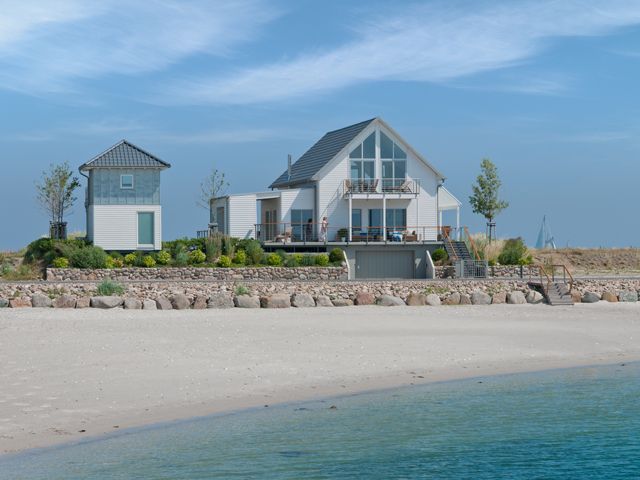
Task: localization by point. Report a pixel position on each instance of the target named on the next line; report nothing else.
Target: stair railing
(565, 272)
(542, 274)
(447, 238)
(472, 243)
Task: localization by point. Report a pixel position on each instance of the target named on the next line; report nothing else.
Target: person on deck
(324, 227)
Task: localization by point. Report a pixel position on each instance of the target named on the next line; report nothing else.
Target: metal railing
(548, 273)
(471, 268)
(381, 185)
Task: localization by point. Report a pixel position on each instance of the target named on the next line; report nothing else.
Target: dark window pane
(356, 152)
(356, 170)
(398, 152)
(369, 170)
(369, 150)
(386, 146)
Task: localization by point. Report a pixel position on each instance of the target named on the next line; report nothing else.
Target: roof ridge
(128, 144)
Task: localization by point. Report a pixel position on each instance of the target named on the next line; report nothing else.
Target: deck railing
(381, 185)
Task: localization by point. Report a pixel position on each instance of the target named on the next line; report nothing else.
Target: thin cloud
(45, 49)
(434, 43)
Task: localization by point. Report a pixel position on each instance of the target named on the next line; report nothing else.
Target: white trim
(132, 181)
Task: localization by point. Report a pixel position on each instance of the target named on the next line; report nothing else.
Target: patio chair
(284, 237)
(348, 186)
(405, 187)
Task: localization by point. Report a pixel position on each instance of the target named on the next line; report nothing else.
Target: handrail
(541, 272)
(445, 234)
(473, 245)
(565, 272)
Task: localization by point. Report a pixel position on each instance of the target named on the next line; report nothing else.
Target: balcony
(378, 187)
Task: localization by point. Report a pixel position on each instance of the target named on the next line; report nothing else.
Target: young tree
(211, 187)
(55, 194)
(485, 194)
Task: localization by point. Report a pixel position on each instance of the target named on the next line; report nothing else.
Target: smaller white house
(123, 198)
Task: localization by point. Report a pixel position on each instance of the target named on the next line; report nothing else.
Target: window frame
(122, 186)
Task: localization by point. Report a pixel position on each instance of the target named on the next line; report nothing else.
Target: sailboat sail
(545, 239)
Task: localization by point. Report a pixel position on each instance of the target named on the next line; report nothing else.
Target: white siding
(296, 198)
(115, 227)
(89, 213)
(241, 216)
(331, 202)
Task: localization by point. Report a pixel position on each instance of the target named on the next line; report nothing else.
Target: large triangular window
(363, 164)
(394, 164)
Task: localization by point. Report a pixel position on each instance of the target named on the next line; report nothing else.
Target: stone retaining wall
(197, 273)
(335, 292)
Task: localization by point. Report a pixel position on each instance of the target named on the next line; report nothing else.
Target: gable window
(126, 181)
(394, 164)
(363, 165)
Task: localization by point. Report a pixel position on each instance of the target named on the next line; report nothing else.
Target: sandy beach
(71, 374)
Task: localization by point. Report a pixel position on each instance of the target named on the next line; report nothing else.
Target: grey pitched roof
(319, 155)
(124, 154)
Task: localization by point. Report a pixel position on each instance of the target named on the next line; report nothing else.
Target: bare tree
(213, 186)
(55, 192)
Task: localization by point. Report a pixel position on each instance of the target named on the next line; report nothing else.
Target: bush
(274, 260)
(163, 257)
(181, 259)
(130, 259)
(113, 262)
(108, 288)
(336, 255)
(308, 260)
(197, 257)
(513, 252)
(185, 244)
(61, 262)
(148, 261)
(322, 259)
(224, 261)
(241, 290)
(298, 257)
(229, 245)
(89, 257)
(291, 261)
(46, 250)
(254, 251)
(38, 250)
(439, 254)
(241, 257)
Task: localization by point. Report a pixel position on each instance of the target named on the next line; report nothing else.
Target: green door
(145, 228)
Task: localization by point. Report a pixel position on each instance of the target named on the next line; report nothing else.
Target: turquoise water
(576, 423)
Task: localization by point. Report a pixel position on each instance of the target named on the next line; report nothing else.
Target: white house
(123, 198)
(365, 179)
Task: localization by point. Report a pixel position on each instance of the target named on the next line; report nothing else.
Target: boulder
(131, 303)
(416, 299)
(464, 299)
(516, 298)
(364, 298)
(576, 296)
(180, 301)
(534, 297)
(65, 301)
(302, 300)
(38, 300)
(163, 303)
(590, 297)
(500, 297)
(83, 302)
(433, 300)
(23, 302)
(277, 300)
(200, 302)
(220, 300)
(323, 301)
(453, 299)
(342, 302)
(628, 296)
(609, 297)
(148, 304)
(106, 302)
(247, 301)
(480, 298)
(4, 303)
(390, 301)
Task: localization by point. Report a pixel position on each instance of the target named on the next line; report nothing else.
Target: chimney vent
(289, 166)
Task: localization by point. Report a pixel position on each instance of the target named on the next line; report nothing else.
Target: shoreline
(398, 347)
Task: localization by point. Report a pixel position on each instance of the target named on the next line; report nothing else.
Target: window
(394, 164)
(302, 225)
(126, 181)
(145, 228)
(356, 221)
(396, 220)
(363, 165)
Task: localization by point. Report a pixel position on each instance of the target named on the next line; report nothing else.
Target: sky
(547, 89)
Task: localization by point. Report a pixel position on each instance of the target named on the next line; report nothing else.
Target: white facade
(115, 227)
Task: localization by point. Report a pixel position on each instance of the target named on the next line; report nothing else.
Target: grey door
(385, 264)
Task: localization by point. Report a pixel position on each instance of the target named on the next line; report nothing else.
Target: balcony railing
(381, 185)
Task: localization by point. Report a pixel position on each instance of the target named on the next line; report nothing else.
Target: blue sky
(547, 89)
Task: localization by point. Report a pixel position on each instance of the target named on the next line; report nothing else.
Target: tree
(485, 194)
(55, 195)
(213, 186)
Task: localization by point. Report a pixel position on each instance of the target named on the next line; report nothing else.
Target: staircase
(555, 292)
(457, 250)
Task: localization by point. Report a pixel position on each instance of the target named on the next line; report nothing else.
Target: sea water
(575, 423)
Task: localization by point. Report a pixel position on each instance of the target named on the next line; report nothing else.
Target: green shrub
(148, 261)
(254, 251)
(229, 245)
(322, 259)
(213, 247)
(45, 250)
(298, 257)
(291, 261)
(196, 257)
(274, 260)
(224, 261)
(89, 257)
(163, 257)
(439, 254)
(23, 272)
(241, 257)
(282, 254)
(108, 288)
(308, 260)
(336, 255)
(61, 262)
(116, 255)
(513, 252)
(241, 290)
(184, 244)
(38, 250)
(110, 262)
(130, 259)
(181, 259)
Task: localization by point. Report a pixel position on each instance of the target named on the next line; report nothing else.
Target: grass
(108, 288)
